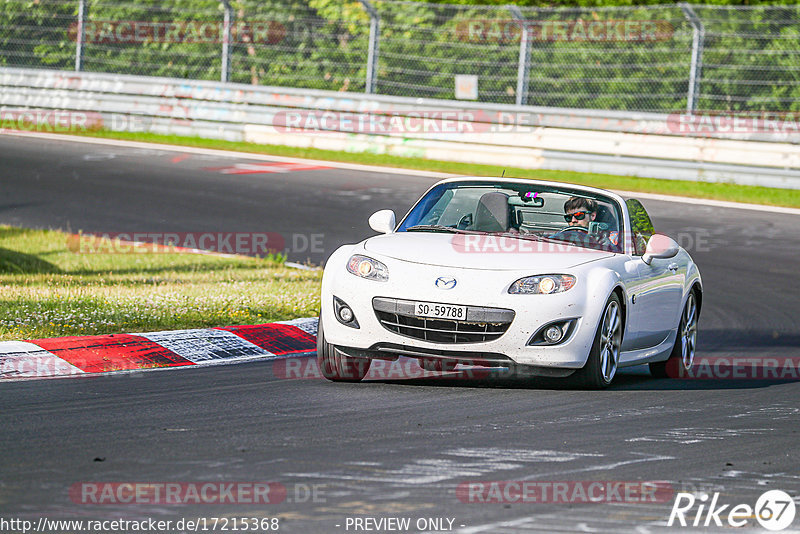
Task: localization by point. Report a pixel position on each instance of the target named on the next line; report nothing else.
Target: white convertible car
(542, 277)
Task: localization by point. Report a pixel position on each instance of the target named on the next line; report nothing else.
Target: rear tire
(601, 365)
(681, 358)
(334, 365)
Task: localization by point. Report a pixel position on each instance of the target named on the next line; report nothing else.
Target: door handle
(673, 267)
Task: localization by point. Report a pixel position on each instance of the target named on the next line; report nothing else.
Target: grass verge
(717, 191)
(46, 290)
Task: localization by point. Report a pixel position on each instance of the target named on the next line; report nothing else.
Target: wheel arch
(697, 288)
(623, 304)
(606, 282)
(693, 283)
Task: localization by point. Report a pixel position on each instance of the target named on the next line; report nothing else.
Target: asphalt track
(391, 447)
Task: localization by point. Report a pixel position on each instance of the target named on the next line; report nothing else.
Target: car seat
(492, 215)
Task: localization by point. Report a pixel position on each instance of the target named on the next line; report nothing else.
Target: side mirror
(382, 221)
(660, 246)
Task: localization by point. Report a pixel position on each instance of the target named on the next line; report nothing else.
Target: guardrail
(680, 146)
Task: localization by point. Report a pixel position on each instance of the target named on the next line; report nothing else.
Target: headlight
(368, 268)
(542, 285)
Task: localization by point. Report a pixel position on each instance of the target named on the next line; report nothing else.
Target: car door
(658, 293)
(632, 280)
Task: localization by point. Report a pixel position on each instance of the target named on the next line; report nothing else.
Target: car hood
(489, 252)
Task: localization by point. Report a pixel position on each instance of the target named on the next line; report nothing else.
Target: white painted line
(372, 168)
(519, 455)
(644, 457)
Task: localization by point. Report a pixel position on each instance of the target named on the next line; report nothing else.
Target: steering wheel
(576, 234)
(573, 229)
(465, 222)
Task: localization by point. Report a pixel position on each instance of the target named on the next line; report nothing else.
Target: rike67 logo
(774, 510)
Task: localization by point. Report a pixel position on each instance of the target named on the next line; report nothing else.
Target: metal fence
(648, 58)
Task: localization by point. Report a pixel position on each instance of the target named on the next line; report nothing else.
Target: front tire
(681, 358)
(334, 365)
(601, 366)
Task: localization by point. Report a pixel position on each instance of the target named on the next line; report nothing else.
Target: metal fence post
(81, 35)
(524, 56)
(698, 40)
(374, 40)
(226, 41)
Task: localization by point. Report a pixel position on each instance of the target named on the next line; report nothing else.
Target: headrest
(491, 214)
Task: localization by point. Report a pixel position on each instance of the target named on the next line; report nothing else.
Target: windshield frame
(551, 187)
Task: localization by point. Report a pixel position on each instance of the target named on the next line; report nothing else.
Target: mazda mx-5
(542, 277)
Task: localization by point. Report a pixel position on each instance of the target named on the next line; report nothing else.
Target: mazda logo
(444, 282)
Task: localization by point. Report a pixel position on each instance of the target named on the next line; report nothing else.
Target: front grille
(482, 324)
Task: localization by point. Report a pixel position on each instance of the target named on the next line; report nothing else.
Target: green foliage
(603, 3)
(35, 33)
(751, 56)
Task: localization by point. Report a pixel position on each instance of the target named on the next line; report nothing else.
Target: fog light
(553, 334)
(345, 314)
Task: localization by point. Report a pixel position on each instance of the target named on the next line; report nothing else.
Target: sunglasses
(579, 215)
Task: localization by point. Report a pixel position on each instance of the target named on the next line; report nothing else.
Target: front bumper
(530, 313)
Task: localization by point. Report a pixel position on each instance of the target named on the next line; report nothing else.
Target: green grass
(716, 191)
(46, 290)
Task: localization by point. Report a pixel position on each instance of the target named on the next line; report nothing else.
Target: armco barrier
(613, 142)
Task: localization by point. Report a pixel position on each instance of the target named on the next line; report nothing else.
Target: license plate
(440, 311)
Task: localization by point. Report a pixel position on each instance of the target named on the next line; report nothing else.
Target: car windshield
(525, 211)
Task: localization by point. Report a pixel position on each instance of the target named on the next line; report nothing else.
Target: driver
(579, 212)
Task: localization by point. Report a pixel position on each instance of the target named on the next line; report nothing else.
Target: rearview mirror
(382, 221)
(660, 246)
